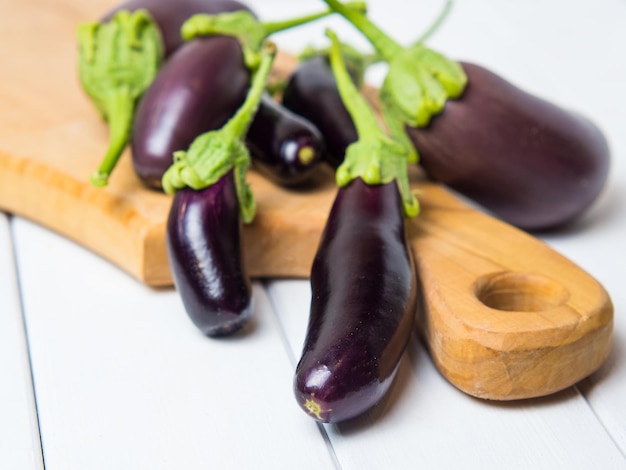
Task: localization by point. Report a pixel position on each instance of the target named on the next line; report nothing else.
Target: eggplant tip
(232, 323)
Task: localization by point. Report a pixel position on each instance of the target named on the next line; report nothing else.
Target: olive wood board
(504, 316)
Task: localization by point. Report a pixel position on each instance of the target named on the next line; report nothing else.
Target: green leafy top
(375, 157)
(248, 29)
(419, 80)
(212, 154)
(117, 61)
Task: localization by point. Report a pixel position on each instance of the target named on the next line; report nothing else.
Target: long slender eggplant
(284, 146)
(530, 162)
(205, 254)
(197, 90)
(363, 280)
(171, 15)
(311, 92)
(363, 305)
(211, 199)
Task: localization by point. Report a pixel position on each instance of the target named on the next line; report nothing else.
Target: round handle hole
(520, 292)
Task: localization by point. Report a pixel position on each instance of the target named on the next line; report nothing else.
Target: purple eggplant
(527, 160)
(211, 200)
(311, 92)
(205, 253)
(285, 147)
(198, 89)
(363, 281)
(170, 15)
(363, 305)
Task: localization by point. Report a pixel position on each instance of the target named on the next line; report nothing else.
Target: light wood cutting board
(504, 316)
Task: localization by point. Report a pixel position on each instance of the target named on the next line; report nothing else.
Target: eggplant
(205, 253)
(171, 15)
(529, 161)
(211, 200)
(311, 92)
(285, 147)
(198, 89)
(362, 307)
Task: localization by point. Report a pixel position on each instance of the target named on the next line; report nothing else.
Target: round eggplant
(363, 304)
(530, 162)
(205, 253)
(311, 92)
(171, 15)
(284, 147)
(198, 89)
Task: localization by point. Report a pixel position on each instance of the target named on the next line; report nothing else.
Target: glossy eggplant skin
(205, 252)
(528, 161)
(362, 308)
(285, 147)
(311, 92)
(170, 15)
(198, 89)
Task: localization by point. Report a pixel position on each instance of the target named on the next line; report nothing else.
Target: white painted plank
(427, 423)
(19, 433)
(124, 380)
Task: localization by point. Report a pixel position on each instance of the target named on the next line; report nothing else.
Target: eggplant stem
(436, 24)
(237, 126)
(364, 120)
(120, 113)
(382, 42)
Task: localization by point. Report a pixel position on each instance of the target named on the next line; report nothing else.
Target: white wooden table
(101, 372)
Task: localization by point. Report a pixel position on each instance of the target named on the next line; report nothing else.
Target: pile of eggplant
(185, 85)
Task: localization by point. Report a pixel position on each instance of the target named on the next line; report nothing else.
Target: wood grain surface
(504, 316)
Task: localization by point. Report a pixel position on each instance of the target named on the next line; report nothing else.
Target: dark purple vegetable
(363, 305)
(529, 161)
(205, 253)
(312, 93)
(211, 200)
(284, 147)
(198, 89)
(363, 283)
(169, 15)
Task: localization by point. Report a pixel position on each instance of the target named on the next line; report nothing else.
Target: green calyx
(117, 61)
(375, 157)
(248, 29)
(419, 80)
(213, 154)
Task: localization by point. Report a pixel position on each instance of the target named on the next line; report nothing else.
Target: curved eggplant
(285, 147)
(527, 160)
(363, 304)
(198, 89)
(205, 253)
(170, 15)
(312, 92)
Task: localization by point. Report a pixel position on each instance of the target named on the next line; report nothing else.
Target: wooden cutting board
(504, 317)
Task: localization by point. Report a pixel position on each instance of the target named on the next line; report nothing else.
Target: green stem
(120, 117)
(362, 116)
(434, 26)
(238, 125)
(384, 44)
(272, 27)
